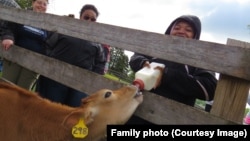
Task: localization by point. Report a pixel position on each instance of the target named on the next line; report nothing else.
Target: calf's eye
(107, 94)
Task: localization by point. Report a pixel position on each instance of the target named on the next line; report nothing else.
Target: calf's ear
(73, 118)
(89, 116)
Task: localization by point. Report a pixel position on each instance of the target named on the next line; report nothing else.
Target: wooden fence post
(231, 93)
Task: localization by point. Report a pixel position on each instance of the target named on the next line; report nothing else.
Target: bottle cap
(139, 83)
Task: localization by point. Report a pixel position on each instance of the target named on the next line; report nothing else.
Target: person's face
(40, 5)
(88, 15)
(182, 29)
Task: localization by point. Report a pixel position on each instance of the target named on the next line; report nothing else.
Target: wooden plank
(5, 80)
(231, 94)
(161, 110)
(201, 54)
(154, 108)
(73, 76)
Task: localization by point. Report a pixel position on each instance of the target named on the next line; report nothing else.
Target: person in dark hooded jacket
(180, 82)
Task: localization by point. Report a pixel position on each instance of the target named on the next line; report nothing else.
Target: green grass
(112, 77)
(200, 103)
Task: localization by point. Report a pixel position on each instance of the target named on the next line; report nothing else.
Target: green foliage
(119, 62)
(24, 3)
(131, 74)
(246, 111)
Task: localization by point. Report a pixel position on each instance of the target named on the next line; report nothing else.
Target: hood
(193, 20)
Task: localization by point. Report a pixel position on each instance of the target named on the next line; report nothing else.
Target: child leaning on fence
(27, 37)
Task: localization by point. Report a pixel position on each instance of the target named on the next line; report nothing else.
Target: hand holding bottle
(160, 68)
(146, 64)
(158, 81)
(149, 76)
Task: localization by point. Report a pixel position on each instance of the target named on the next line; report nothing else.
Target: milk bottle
(145, 78)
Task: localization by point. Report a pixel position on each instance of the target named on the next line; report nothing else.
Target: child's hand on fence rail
(7, 43)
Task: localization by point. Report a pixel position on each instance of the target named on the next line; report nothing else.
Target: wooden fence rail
(230, 60)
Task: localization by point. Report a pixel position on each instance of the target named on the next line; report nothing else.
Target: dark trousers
(57, 92)
(208, 107)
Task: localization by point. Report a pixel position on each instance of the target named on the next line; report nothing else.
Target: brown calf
(24, 116)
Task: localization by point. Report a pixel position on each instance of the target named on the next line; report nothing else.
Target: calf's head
(109, 107)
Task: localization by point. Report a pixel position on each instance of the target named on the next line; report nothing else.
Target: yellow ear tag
(80, 130)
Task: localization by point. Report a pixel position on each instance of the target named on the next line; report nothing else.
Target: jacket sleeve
(52, 39)
(7, 30)
(2, 27)
(50, 42)
(200, 83)
(100, 60)
(137, 60)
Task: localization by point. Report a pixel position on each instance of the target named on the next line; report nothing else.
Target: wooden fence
(230, 60)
